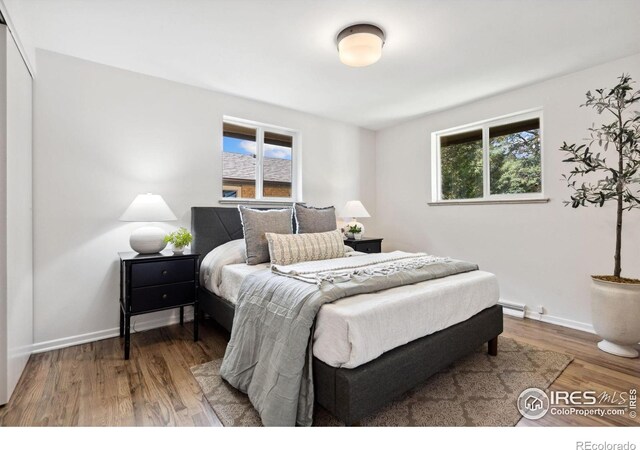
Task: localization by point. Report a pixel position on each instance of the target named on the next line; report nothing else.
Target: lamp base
(148, 239)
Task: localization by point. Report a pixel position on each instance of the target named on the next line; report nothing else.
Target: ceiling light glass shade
(148, 208)
(360, 45)
(354, 208)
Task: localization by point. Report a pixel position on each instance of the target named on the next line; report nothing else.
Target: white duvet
(355, 330)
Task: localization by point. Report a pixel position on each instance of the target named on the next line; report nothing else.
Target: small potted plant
(355, 231)
(611, 173)
(179, 239)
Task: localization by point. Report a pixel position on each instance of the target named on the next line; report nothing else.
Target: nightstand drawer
(158, 297)
(368, 247)
(162, 272)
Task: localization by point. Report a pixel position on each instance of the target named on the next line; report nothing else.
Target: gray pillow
(315, 220)
(255, 223)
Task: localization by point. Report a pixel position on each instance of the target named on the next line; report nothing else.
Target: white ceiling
(438, 54)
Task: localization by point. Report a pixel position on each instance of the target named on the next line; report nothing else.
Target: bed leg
(493, 346)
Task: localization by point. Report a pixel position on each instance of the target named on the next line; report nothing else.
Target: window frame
(487, 197)
(296, 169)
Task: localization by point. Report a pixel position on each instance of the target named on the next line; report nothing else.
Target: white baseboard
(521, 310)
(568, 323)
(141, 325)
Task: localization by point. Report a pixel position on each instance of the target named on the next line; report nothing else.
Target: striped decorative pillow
(285, 249)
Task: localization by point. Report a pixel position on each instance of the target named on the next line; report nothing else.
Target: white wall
(542, 254)
(16, 299)
(103, 135)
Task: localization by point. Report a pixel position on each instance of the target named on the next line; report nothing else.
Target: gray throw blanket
(269, 354)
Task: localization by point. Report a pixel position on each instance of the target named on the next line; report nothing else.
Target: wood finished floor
(91, 385)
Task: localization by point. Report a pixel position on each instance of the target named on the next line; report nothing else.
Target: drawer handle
(164, 296)
(164, 272)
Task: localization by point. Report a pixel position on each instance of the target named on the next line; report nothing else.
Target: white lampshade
(354, 208)
(148, 208)
(360, 45)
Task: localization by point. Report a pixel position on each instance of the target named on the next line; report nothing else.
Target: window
(494, 160)
(258, 161)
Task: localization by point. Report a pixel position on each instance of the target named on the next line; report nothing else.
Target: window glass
(238, 161)
(461, 165)
(277, 165)
(514, 158)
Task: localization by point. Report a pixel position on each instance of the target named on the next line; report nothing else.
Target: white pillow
(232, 252)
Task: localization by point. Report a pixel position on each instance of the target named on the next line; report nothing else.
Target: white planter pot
(357, 236)
(178, 250)
(616, 316)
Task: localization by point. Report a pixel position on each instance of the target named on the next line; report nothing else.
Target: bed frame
(353, 394)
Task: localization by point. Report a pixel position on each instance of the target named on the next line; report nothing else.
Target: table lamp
(148, 208)
(354, 209)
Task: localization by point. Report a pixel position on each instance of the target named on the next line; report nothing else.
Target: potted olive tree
(608, 170)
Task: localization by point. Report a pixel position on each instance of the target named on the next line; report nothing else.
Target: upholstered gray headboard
(213, 226)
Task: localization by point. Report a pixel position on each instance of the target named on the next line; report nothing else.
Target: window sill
(515, 201)
(254, 202)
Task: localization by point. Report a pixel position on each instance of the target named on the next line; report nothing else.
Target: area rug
(478, 390)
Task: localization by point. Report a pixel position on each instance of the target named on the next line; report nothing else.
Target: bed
(352, 385)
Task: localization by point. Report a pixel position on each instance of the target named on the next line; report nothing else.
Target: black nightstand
(155, 282)
(365, 245)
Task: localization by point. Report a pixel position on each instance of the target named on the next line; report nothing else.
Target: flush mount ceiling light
(360, 45)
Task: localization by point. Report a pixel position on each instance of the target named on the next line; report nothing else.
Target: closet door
(16, 250)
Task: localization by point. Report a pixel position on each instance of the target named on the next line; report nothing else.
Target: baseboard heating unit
(513, 308)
